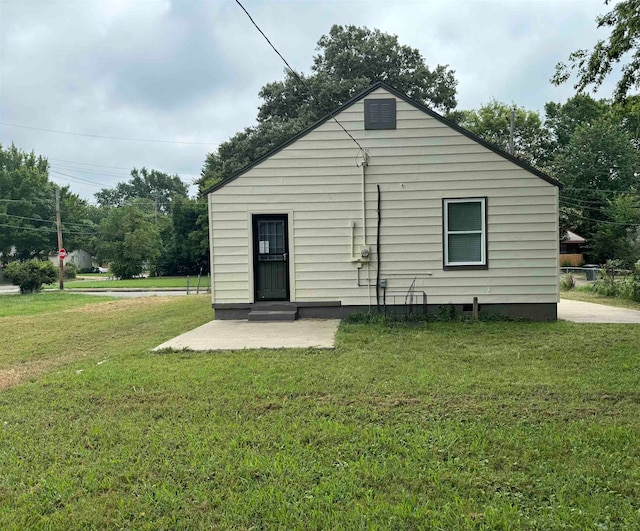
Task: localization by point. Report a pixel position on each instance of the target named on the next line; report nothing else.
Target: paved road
(587, 312)
(8, 290)
(130, 294)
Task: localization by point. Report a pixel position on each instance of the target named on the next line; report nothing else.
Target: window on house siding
(465, 233)
(380, 113)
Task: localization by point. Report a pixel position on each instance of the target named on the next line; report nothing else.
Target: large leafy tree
(616, 236)
(599, 161)
(349, 59)
(562, 119)
(28, 212)
(129, 241)
(185, 239)
(622, 46)
(154, 187)
(492, 122)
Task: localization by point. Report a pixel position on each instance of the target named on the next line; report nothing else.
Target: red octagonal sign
(62, 254)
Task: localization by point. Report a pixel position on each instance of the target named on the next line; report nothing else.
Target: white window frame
(482, 231)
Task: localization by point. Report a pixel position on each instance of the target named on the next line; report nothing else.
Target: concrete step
(274, 306)
(273, 315)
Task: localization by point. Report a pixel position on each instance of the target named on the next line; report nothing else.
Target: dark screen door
(270, 252)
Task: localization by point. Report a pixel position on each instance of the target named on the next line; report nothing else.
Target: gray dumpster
(591, 271)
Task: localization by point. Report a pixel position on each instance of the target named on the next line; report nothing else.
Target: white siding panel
(316, 180)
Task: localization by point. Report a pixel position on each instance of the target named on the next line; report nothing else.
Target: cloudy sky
(161, 83)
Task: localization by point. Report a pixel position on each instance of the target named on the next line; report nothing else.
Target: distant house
(572, 250)
(80, 258)
(320, 227)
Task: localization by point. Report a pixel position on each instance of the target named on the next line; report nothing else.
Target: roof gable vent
(380, 113)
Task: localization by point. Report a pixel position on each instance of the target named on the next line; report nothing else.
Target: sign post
(62, 254)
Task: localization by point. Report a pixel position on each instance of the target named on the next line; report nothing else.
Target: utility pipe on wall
(363, 165)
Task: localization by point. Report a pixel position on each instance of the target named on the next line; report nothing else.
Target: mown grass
(444, 426)
(150, 283)
(585, 295)
(17, 305)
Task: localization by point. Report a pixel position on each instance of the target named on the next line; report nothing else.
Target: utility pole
(59, 223)
(155, 210)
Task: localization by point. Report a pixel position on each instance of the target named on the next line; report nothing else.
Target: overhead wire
(295, 74)
(117, 167)
(109, 137)
(41, 219)
(46, 229)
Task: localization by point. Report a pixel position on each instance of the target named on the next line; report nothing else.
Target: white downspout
(363, 165)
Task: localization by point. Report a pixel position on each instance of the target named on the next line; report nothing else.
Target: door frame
(255, 218)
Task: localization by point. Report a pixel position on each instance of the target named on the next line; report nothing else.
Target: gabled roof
(404, 97)
(572, 237)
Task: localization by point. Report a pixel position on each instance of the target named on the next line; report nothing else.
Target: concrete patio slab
(588, 312)
(238, 335)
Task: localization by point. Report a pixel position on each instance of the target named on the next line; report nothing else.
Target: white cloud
(191, 71)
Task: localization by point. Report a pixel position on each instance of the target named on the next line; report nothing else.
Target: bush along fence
(611, 280)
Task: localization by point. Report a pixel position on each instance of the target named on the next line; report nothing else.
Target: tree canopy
(28, 212)
(129, 241)
(349, 59)
(492, 122)
(623, 44)
(156, 187)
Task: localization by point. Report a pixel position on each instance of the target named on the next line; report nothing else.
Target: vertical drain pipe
(378, 253)
(363, 165)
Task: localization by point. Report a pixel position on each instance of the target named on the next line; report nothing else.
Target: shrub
(635, 283)
(70, 271)
(30, 275)
(567, 282)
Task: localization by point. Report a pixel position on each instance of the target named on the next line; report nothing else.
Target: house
(80, 258)
(405, 208)
(571, 250)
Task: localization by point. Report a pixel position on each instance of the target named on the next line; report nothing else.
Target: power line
(118, 167)
(600, 190)
(110, 137)
(87, 170)
(87, 181)
(298, 78)
(605, 221)
(41, 219)
(45, 229)
(586, 207)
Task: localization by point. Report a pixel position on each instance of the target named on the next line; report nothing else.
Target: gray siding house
(422, 213)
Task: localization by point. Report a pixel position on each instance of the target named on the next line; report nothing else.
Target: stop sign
(62, 254)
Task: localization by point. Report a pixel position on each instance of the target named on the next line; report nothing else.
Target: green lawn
(151, 282)
(588, 296)
(444, 426)
(17, 305)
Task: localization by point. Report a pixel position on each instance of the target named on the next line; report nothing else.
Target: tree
(128, 240)
(185, 239)
(492, 122)
(594, 66)
(30, 275)
(28, 212)
(562, 119)
(156, 187)
(349, 60)
(599, 160)
(617, 234)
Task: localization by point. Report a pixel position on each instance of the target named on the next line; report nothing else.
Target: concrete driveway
(588, 312)
(238, 335)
